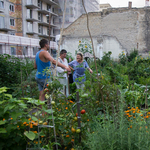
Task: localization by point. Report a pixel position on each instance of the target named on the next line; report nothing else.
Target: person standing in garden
(61, 72)
(42, 62)
(79, 65)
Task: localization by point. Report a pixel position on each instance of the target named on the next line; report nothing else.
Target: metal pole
(49, 31)
(79, 116)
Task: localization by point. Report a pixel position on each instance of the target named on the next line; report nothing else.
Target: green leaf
(1, 102)
(8, 108)
(33, 118)
(2, 122)
(8, 95)
(15, 115)
(2, 130)
(30, 135)
(49, 111)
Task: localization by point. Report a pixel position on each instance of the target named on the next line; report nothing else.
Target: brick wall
(130, 27)
(17, 15)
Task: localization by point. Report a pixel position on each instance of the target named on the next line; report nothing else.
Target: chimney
(146, 3)
(130, 5)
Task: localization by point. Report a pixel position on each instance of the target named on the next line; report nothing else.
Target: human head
(63, 53)
(44, 44)
(79, 56)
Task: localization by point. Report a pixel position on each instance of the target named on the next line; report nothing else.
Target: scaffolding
(21, 47)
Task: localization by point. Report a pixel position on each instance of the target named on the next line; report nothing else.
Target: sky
(124, 3)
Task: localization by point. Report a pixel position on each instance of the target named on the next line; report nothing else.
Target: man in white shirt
(61, 72)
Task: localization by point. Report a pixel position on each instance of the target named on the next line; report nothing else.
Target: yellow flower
(85, 46)
(79, 41)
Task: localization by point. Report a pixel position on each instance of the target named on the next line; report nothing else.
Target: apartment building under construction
(24, 22)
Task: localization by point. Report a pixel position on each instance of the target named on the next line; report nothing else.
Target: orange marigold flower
(136, 107)
(127, 111)
(29, 119)
(42, 136)
(25, 123)
(66, 132)
(67, 135)
(133, 111)
(34, 131)
(147, 131)
(40, 141)
(11, 118)
(131, 126)
(72, 140)
(66, 107)
(147, 116)
(88, 120)
(134, 117)
(65, 147)
(31, 126)
(148, 113)
(36, 142)
(128, 128)
(4, 119)
(17, 126)
(127, 114)
(71, 101)
(146, 127)
(67, 103)
(141, 115)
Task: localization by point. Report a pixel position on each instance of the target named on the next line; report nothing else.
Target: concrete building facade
(74, 9)
(114, 29)
(28, 19)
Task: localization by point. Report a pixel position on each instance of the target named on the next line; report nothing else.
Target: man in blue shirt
(42, 62)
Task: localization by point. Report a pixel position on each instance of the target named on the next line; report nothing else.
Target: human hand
(68, 69)
(90, 70)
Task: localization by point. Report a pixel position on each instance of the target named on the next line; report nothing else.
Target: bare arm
(35, 66)
(90, 70)
(50, 58)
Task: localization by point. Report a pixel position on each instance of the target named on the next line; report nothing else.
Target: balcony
(1, 10)
(46, 12)
(5, 28)
(50, 2)
(46, 24)
(31, 19)
(31, 4)
(45, 35)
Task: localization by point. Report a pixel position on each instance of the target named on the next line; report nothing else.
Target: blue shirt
(41, 66)
(79, 70)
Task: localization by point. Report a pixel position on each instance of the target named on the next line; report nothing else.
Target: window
(40, 17)
(49, 7)
(47, 19)
(2, 24)
(12, 22)
(11, 7)
(12, 33)
(29, 13)
(53, 9)
(40, 4)
(40, 28)
(1, 4)
(25, 50)
(29, 26)
(59, 20)
(35, 50)
(47, 30)
(1, 51)
(13, 50)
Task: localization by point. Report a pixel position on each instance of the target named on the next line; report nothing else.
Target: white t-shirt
(61, 70)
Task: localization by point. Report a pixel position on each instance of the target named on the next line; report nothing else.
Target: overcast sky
(124, 3)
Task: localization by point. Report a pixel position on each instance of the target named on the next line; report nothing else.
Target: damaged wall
(120, 28)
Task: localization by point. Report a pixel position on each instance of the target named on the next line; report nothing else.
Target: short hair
(43, 42)
(81, 54)
(63, 51)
